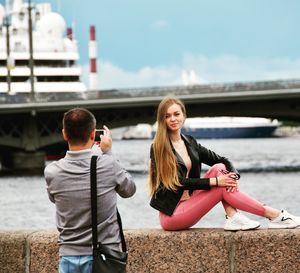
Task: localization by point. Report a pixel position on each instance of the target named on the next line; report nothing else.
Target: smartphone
(99, 132)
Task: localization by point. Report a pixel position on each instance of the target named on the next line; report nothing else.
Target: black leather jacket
(166, 200)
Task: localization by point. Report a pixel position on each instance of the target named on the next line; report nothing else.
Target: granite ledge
(153, 250)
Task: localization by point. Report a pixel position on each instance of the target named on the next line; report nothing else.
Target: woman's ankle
(271, 213)
(230, 211)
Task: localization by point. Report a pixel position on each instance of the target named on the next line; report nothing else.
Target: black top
(166, 200)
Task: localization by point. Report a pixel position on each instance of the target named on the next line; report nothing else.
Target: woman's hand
(229, 181)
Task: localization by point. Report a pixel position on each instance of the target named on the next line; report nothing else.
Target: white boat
(230, 127)
(140, 131)
(55, 54)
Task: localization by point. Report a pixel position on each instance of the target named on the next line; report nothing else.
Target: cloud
(230, 68)
(112, 76)
(200, 69)
(160, 24)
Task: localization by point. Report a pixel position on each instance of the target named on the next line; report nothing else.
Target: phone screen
(99, 132)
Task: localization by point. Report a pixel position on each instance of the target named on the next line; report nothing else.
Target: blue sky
(158, 42)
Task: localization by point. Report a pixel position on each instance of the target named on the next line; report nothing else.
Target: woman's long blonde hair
(163, 169)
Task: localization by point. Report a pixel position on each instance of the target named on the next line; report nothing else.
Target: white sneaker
(240, 222)
(285, 220)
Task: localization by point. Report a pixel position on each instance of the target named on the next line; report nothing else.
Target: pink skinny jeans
(190, 211)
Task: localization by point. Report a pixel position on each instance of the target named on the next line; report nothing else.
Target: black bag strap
(93, 181)
(93, 178)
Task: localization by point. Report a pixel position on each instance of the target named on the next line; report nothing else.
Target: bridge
(30, 126)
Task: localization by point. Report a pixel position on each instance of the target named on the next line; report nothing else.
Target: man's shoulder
(52, 167)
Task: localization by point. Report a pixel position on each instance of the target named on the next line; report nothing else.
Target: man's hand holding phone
(98, 134)
(103, 139)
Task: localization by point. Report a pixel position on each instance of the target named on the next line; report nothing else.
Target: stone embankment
(157, 251)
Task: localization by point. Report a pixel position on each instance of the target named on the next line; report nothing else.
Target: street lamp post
(31, 61)
(8, 60)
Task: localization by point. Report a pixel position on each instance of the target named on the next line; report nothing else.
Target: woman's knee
(215, 170)
(219, 166)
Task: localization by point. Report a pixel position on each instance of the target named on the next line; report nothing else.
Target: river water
(269, 168)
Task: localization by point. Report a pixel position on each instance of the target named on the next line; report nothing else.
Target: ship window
(37, 16)
(21, 16)
(57, 78)
(51, 63)
(18, 46)
(14, 79)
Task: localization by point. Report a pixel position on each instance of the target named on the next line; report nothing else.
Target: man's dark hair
(78, 124)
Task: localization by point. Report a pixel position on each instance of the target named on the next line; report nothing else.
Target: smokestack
(93, 58)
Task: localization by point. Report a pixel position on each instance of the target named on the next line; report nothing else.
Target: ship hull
(230, 132)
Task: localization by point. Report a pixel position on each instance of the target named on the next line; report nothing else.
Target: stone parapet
(157, 251)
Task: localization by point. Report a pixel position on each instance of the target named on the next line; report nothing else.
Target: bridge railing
(21, 98)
